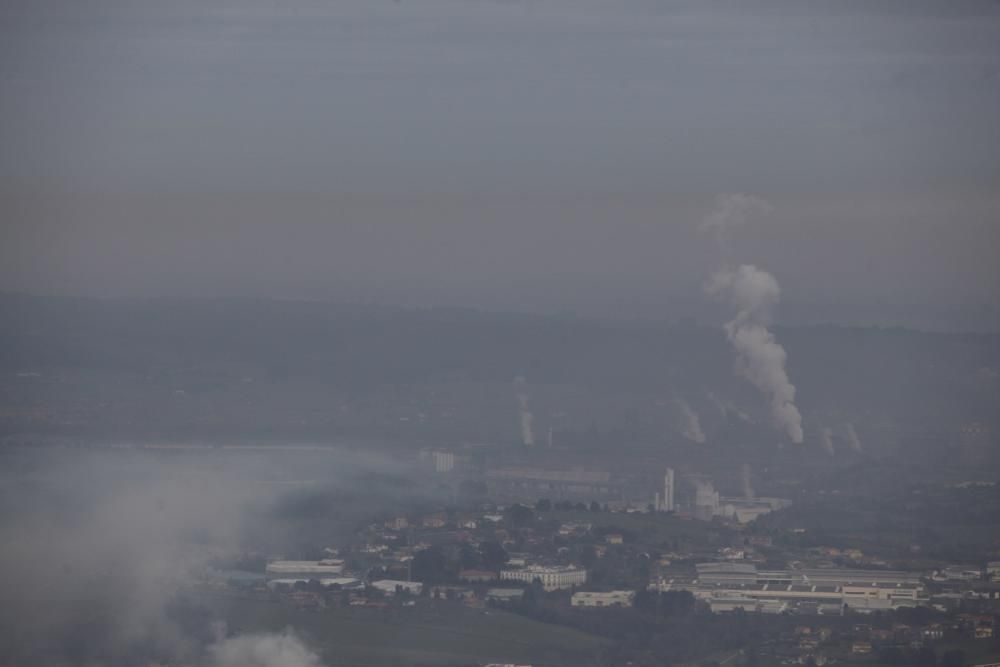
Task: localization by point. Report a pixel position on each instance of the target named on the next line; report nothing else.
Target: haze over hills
(266, 368)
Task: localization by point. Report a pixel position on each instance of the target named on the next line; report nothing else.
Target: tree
(595, 506)
(953, 658)
(543, 505)
(430, 565)
(520, 516)
(892, 656)
(469, 557)
(493, 554)
(588, 556)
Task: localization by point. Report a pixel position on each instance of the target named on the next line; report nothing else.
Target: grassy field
(433, 634)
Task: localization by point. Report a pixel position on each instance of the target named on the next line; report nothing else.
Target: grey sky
(518, 154)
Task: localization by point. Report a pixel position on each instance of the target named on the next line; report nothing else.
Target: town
(634, 573)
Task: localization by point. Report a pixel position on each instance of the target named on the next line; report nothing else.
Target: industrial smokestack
(747, 486)
(668, 490)
(760, 359)
(524, 411)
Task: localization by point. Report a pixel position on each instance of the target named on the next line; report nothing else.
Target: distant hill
(351, 353)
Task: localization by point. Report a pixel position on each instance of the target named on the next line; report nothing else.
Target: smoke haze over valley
(499, 333)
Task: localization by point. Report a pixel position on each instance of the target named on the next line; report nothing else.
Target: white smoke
(732, 210)
(760, 358)
(268, 650)
(526, 416)
(826, 437)
(692, 423)
(852, 438)
(726, 407)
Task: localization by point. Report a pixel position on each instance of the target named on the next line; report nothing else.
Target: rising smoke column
(760, 359)
(526, 416)
(266, 650)
(726, 407)
(826, 437)
(754, 293)
(852, 438)
(730, 211)
(692, 423)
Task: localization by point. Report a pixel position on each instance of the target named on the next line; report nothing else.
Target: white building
(552, 578)
(309, 569)
(664, 502)
(348, 583)
(443, 461)
(390, 586)
(706, 500)
(608, 599)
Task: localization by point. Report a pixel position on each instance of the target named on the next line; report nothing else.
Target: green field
(431, 634)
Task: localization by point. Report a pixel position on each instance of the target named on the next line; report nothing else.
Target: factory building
(535, 482)
(747, 574)
(608, 599)
(720, 584)
(443, 461)
(304, 569)
(346, 583)
(723, 604)
(706, 500)
(665, 502)
(440, 460)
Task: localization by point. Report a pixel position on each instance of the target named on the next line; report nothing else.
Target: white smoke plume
(826, 437)
(760, 359)
(692, 423)
(526, 416)
(852, 438)
(732, 210)
(268, 650)
(726, 407)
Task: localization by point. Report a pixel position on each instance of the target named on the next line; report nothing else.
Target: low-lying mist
(100, 546)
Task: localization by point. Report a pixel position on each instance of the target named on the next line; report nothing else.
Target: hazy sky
(516, 154)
